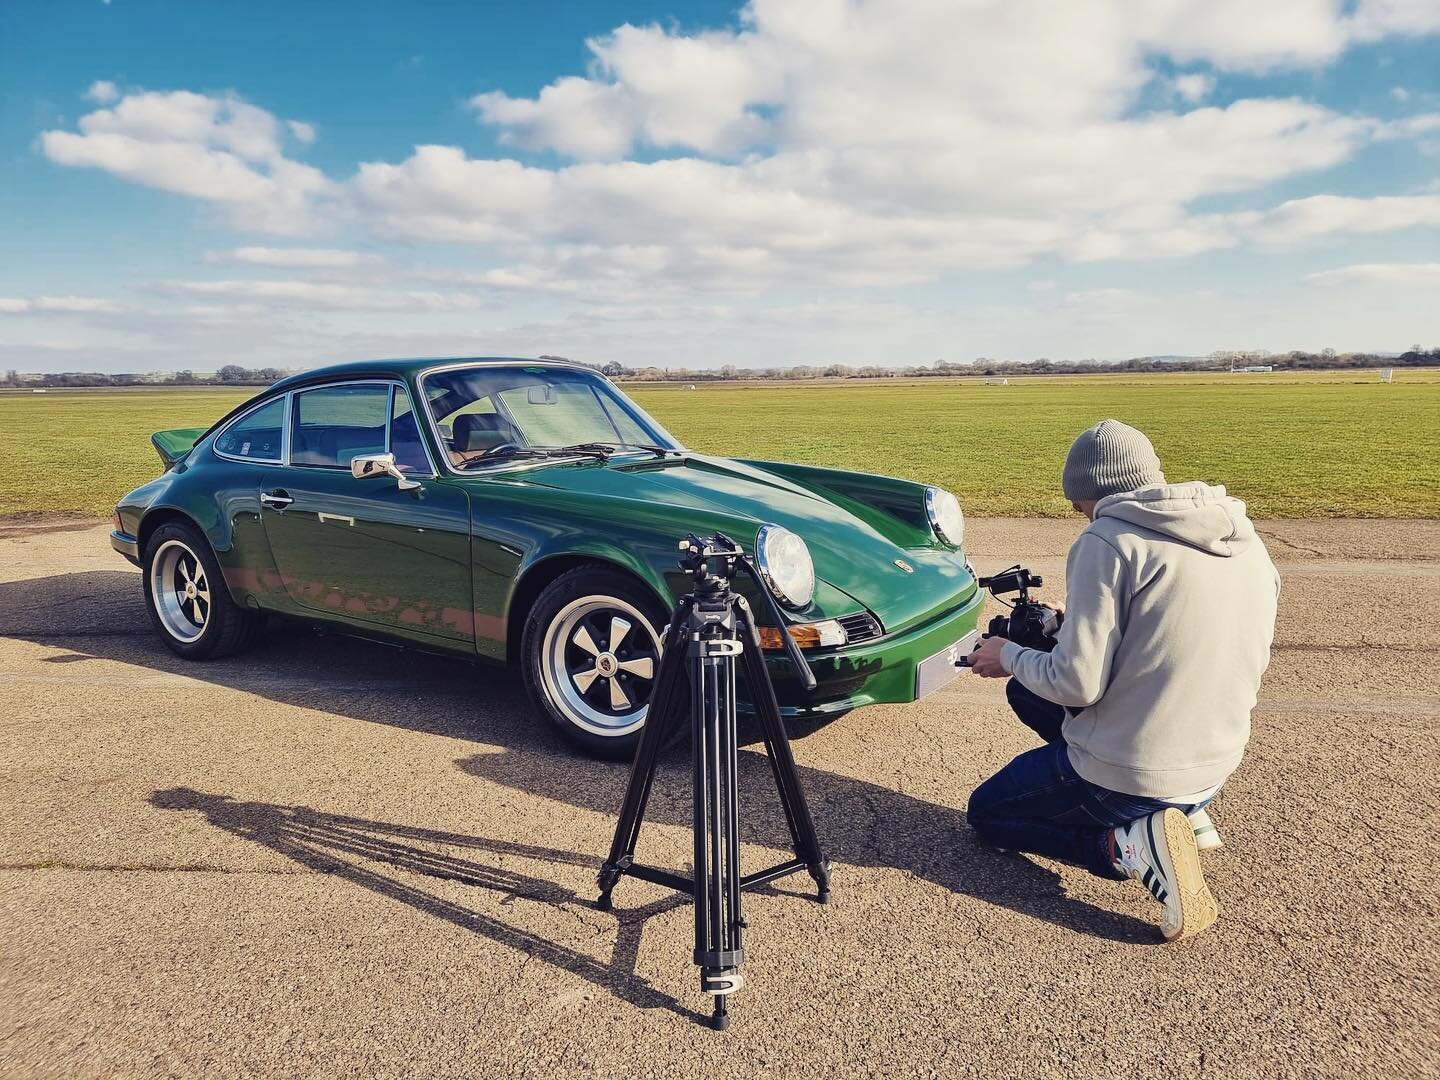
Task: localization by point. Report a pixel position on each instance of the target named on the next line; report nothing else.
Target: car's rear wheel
(590, 653)
(186, 596)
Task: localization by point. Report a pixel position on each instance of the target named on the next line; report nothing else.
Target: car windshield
(490, 414)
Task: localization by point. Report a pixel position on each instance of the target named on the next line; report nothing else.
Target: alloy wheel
(181, 591)
(598, 662)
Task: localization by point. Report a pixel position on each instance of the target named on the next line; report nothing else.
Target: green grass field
(1322, 444)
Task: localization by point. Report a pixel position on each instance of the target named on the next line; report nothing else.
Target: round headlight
(784, 562)
(946, 519)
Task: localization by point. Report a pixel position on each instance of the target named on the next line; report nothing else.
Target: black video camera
(1030, 624)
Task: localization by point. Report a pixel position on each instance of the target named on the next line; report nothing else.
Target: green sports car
(527, 511)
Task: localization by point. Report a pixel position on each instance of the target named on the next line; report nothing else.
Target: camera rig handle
(1016, 579)
(713, 562)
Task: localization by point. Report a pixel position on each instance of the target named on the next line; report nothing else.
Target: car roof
(404, 368)
(386, 369)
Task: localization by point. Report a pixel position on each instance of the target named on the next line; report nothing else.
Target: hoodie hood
(1197, 514)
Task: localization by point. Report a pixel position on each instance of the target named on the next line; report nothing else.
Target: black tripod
(710, 627)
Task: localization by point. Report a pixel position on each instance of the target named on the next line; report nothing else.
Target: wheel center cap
(605, 664)
(190, 591)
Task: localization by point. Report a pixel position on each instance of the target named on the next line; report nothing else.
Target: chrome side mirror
(368, 466)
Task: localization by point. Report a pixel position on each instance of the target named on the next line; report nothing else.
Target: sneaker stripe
(1155, 847)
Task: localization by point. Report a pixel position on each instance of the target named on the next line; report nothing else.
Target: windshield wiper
(592, 449)
(507, 453)
(501, 453)
(598, 450)
(616, 447)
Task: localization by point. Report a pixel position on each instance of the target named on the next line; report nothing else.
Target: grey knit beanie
(1109, 458)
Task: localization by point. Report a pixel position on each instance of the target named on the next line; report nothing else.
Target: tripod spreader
(710, 629)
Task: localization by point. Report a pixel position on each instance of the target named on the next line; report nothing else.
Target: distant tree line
(1225, 360)
(229, 375)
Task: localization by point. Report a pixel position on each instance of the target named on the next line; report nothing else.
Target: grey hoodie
(1169, 614)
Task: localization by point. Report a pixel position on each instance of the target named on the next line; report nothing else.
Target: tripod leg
(782, 759)
(700, 803)
(647, 753)
(729, 753)
(718, 924)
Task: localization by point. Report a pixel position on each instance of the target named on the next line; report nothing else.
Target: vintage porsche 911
(527, 511)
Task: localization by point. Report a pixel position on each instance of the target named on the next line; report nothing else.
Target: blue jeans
(1040, 804)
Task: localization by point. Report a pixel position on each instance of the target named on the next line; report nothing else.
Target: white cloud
(1194, 87)
(78, 305)
(827, 149)
(311, 258)
(654, 87)
(575, 116)
(1400, 94)
(834, 71)
(859, 144)
(102, 92)
(217, 149)
(1374, 19)
(328, 296)
(866, 215)
(1404, 275)
(1301, 220)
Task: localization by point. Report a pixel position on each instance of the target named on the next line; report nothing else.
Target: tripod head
(712, 563)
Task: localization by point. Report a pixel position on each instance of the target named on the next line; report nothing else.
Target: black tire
(192, 610)
(554, 665)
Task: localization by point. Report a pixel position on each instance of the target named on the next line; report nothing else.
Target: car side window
(405, 436)
(255, 437)
(333, 424)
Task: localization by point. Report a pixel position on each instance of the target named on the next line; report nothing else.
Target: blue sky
(193, 184)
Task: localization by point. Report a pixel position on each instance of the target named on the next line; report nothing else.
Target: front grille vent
(861, 626)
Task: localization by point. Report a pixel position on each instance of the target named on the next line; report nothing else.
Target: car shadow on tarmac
(332, 844)
(100, 615)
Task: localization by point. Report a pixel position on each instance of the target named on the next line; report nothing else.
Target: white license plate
(939, 670)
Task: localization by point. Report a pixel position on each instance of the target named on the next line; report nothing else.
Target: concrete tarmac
(328, 858)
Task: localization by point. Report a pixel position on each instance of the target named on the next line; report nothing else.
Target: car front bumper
(875, 672)
(126, 545)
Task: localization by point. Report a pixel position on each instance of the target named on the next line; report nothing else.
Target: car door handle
(276, 500)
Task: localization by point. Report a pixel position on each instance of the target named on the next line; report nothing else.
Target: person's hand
(985, 660)
(1058, 605)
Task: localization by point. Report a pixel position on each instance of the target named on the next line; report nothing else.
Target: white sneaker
(1207, 837)
(1159, 851)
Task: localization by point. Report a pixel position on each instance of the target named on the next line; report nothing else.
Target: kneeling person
(1145, 701)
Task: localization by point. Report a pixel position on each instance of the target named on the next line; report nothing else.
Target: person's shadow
(859, 823)
(370, 853)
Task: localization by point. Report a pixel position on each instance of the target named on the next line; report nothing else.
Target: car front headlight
(943, 510)
(784, 562)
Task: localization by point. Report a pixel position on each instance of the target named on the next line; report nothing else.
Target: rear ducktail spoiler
(173, 445)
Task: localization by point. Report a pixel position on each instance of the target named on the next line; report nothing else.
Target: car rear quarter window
(333, 424)
(256, 436)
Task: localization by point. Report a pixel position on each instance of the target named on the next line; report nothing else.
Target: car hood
(848, 552)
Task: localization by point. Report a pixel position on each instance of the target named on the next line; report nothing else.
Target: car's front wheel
(590, 653)
(187, 598)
